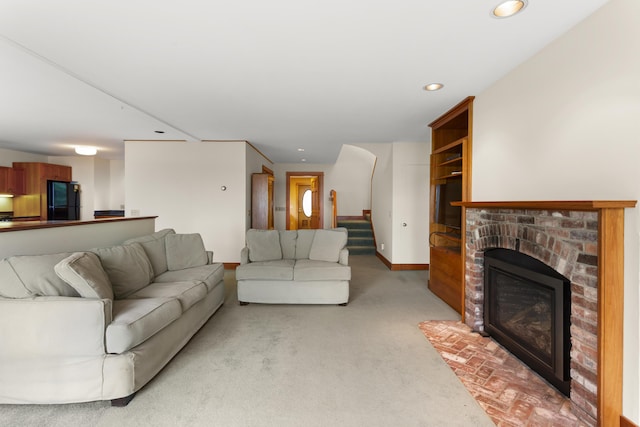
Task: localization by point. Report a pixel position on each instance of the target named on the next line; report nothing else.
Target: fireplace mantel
(610, 287)
(569, 205)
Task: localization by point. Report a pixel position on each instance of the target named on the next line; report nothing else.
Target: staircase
(360, 240)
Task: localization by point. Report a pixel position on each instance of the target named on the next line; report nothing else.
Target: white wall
(565, 126)
(102, 184)
(7, 157)
(351, 178)
(181, 182)
(116, 185)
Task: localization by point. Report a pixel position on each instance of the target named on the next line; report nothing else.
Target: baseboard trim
(626, 422)
(401, 267)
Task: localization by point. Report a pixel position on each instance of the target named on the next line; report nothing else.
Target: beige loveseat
(294, 267)
(98, 325)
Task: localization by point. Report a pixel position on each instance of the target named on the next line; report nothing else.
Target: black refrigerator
(63, 200)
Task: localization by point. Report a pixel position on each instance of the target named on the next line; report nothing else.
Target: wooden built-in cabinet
(12, 181)
(450, 182)
(262, 201)
(33, 201)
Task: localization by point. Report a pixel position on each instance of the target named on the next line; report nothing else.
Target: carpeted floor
(366, 364)
(511, 393)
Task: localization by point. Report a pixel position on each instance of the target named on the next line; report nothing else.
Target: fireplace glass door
(527, 310)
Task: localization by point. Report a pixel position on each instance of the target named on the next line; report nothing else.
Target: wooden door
(304, 213)
(262, 201)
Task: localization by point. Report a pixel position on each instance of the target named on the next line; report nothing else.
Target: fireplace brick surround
(571, 238)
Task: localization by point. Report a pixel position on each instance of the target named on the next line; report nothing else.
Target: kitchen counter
(6, 226)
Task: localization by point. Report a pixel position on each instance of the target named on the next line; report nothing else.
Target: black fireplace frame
(528, 269)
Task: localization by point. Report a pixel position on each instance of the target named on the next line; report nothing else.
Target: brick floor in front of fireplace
(508, 390)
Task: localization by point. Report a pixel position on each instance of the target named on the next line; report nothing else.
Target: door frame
(320, 178)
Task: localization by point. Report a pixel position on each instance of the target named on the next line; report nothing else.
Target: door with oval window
(304, 206)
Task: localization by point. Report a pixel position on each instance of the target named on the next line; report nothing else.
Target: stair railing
(333, 196)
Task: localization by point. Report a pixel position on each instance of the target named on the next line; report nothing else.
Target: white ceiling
(281, 74)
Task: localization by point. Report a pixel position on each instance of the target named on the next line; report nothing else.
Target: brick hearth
(568, 242)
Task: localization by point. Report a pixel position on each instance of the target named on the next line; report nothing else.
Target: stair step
(361, 250)
(360, 232)
(360, 241)
(354, 223)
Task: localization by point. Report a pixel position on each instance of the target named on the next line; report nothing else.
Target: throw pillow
(127, 266)
(303, 243)
(288, 243)
(185, 251)
(83, 271)
(38, 276)
(155, 248)
(326, 245)
(264, 245)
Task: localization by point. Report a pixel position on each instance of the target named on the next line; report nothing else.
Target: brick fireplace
(583, 242)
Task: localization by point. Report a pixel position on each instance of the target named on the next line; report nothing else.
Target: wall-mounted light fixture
(84, 150)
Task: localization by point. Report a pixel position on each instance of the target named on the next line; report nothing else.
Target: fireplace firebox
(527, 308)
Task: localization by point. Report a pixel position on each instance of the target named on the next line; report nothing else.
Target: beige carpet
(366, 364)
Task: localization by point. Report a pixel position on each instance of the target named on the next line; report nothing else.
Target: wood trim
(401, 267)
(610, 315)
(453, 112)
(231, 265)
(267, 170)
(32, 225)
(573, 205)
(626, 422)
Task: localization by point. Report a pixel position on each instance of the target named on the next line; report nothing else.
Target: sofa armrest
(53, 327)
(244, 255)
(344, 256)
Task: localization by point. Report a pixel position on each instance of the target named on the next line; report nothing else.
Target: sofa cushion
(264, 245)
(83, 271)
(135, 320)
(127, 266)
(310, 270)
(11, 286)
(188, 293)
(37, 276)
(155, 248)
(266, 270)
(303, 243)
(288, 243)
(326, 245)
(185, 251)
(209, 274)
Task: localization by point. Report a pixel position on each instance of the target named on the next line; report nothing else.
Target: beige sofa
(294, 267)
(99, 325)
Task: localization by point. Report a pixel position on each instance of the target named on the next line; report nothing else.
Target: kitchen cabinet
(12, 181)
(33, 201)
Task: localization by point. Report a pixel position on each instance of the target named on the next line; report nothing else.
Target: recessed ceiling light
(84, 150)
(433, 86)
(508, 8)
(303, 160)
(300, 149)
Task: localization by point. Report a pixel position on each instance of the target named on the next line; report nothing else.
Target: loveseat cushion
(188, 293)
(309, 270)
(326, 245)
(266, 270)
(303, 243)
(127, 266)
(155, 248)
(37, 276)
(264, 245)
(288, 243)
(83, 271)
(135, 320)
(209, 274)
(185, 251)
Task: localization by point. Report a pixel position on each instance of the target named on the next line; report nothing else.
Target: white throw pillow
(38, 276)
(155, 248)
(127, 266)
(84, 273)
(264, 245)
(327, 244)
(185, 251)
